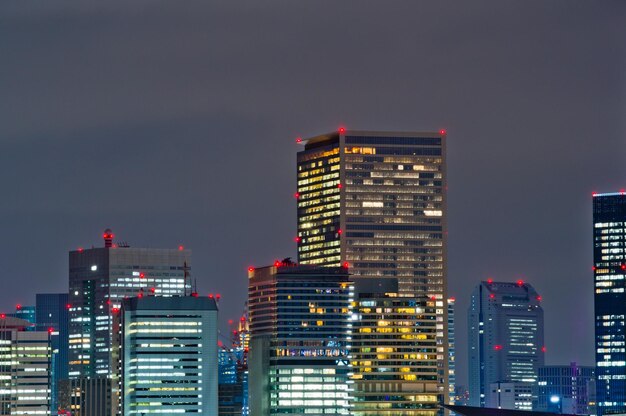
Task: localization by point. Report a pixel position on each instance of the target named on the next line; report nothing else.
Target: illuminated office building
(394, 352)
(505, 340)
(566, 389)
(609, 257)
(376, 202)
(299, 340)
(27, 313)
(169, 356)
(100, 278)
(24, 368)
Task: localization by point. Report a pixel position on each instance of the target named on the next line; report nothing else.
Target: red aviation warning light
(298, 140)
(277, 263)
(489, 281)
(250, 269)
(492, 296)
(346, 265)
(142, 275)
(339, 186)
(544, 349)
(520, 282)
(210, 295)
(181, 248)
(342, 130)
(339, 231)
(50, 330)
(442, 131)
(296, 195)
(297, 239)
(497, 347)
(68, 306)
(116, 310)
(218, 296)
(539, 298)
(18, 307)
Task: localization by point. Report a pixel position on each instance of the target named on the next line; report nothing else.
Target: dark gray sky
(174, 123)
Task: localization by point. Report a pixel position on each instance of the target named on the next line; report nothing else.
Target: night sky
(174, 122)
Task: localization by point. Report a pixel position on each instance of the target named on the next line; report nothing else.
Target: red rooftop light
(296, 195)
(339, 186)
(218, 296)
(492, 296)
(230, 322)
(593, 268)
(442, 131)
(116, 310)
(544, 349)
(339, 231)
(68, 306)
(181, 248)
(18, 307)
(497, 347)
(539, 298)
(342, 130)
(3, 315)
(80, 249)
(142, 275)
(242, 319)
(277, 263)
(250, 269)
(50, 330)
(210, 295)
(489, 281)
(346, 265)
(194, 294)
(297, 239)
(298, 139)
(520, 282)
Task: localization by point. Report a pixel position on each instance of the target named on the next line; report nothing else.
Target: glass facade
(505, 339)
(566, 389)
(376, 202)
(609, 256)
(169, 356)
(299, 320)
(100, 278)
(53, 314)
(391, 376)
(24, 369)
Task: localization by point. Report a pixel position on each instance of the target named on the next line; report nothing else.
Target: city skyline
(179, 151)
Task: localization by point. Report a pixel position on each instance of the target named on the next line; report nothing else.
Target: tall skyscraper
(505, 340)
(299, 340)
(169, 355)
(100, 278)
(609, 265)
(24, 368)
(376, 202)
(52, 313)
(393, 377)
(566, 389)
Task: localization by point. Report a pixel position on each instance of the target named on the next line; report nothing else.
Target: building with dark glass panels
(99, 280)
(376, 202)
(566, 389)
(609, 266)
(52, 312)
(505, 339)
(299, 320)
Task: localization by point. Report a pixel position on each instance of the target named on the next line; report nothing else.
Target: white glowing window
(94, 268)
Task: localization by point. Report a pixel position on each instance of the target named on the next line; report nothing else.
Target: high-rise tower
(376, 203)
(299, 340)
(100, 278)
(609, 265)
(505, 340)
